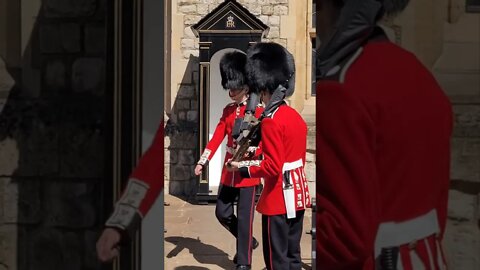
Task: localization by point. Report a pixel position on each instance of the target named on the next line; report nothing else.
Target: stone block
(264, 18)
(280, 10)
(465, 161)
(267, 10)
(176, 188)
(182, 188)
(274, 20)
(88, 75)
(82, 150)
(95, 38)
(69, 8)
(188, 9)
(262, 2)
(166, 175)
(310, 172)
(467, 121)
(9, 156)
(11, 249)
(6, 81)
(462, 243)
(20, 201)
(194, 104)
(192, 116)
(255, 9)
(273, 2)
(188, 43)
(173, 156)
(186, 2)
(55, 75)
(187, 32)
(186, 157)
(49, 248)
(180, 173)
(184, 140)
(166, 156)
(274, 32)
(182, 104)
(311, 144)
(310, 157)
(50, 38)
(191, 19)
(32, 142)
(182, 116)
(461, 206)
(70, 205)
(202, 9)
(71, 37)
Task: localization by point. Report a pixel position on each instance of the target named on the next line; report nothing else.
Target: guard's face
(238, 95)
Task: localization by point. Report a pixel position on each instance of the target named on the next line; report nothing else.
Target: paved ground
(196, 241)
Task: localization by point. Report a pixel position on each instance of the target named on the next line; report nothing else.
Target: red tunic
(143, 187)
(284, 143)
(224, 128)
(383, 153)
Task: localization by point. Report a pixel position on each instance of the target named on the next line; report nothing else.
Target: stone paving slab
(196, 241)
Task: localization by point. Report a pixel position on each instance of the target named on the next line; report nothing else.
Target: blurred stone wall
(52, 133)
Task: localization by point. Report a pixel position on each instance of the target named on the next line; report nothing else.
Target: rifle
(250, 135)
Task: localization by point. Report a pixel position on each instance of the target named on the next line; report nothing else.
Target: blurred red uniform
(383, 159)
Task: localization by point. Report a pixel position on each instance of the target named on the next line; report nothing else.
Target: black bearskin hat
(232, 70)
(390, 7)
(268, 66)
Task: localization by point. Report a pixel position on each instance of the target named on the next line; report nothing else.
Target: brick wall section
(52, 142)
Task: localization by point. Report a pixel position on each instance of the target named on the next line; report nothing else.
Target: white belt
(288, 166)
(392, 234)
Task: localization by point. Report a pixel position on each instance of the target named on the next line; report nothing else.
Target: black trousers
(240, 225)
(281, 241)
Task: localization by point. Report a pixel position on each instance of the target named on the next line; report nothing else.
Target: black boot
(254, 246)
(243, 267)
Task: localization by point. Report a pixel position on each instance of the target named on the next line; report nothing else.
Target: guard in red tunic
(143, 188)
(383, 146)
(232, 69)
(285, 196)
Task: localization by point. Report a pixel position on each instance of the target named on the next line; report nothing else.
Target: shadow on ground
(203, 253)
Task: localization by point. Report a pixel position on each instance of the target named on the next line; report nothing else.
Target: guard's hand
(232, 166)
(107, 245)
(198, 170)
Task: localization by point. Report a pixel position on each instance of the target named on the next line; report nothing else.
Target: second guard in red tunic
(232, 68)
(284, 139)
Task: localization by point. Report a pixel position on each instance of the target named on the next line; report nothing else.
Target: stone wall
(458, 71)
(53, 137)
(182, 113)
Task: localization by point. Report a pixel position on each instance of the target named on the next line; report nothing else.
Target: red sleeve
(143, 187)
(347, 217)
(150, 169)
(273, 153)
(217, 139)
